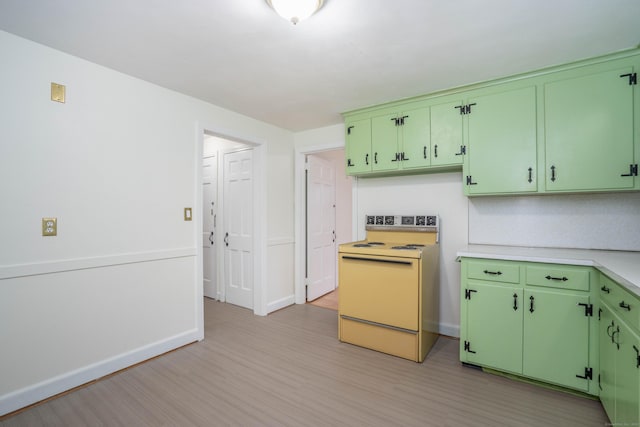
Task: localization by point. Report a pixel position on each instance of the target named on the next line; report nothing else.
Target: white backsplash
(586, 221)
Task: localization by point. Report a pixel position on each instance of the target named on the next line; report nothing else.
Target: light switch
(57, 92)
(49, 226)
(187, 214)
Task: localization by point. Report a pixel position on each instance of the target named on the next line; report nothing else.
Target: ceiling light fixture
(295, 10)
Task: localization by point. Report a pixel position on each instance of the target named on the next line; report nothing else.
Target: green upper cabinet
(589, 141)
(400, 140)
(501, 143)
(447, 146)
(358, 146)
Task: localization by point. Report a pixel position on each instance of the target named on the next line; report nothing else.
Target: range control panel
(402, 220)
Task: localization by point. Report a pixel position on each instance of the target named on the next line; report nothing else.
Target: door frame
(259, 205)
(301, 212)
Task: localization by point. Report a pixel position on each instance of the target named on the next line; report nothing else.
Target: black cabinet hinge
(349, 130)
(633, 78)
(633, 171)
(588, 309)
(470, 181)
(467, 293)
(467, 347)
(465, 109)
(588, 374)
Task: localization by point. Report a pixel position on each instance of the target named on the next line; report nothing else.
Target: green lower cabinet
(607, 379)
(619, 369)
(556, 338)
(494, 327)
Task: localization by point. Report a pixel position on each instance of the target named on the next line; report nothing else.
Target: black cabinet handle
(493, 273)
(605, 289)
(531, 299)
(625, 306)
(375, 158)
(366, 159)
(530, 175)
(553, 173)
(515, 302)
(425, 151)
(637, 356)
(557, 279)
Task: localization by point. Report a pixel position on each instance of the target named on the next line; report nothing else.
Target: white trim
(48, 267)
(35, 393)
(281, 303)
(300, 213)
(258, 145)
(449, 330)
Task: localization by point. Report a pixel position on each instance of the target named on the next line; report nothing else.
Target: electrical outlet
(49, 226)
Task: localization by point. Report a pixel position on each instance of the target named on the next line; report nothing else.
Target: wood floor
(329, 300)
(288, 369)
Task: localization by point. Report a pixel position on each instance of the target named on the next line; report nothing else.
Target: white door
(209, 214)
(321, 226)
(238, 228)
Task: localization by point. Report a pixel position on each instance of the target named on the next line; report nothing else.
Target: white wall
(588, 221)
(439, 194)
(116, 164)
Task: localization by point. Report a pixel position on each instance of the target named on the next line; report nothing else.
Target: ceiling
(239, 55)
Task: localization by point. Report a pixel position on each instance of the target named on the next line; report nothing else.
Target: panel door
(238, 218)
(358, 146)
(416, 136)
(589, 132)
(627, 377)
(384, 143)
(501, 149)
(209, 214)
(607, 361)
(321, 226)
(556, 337)
(446, 134)
(494, 326)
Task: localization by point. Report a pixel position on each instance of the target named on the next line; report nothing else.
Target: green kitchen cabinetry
(501, 142)
(530, 319)
(401, 140)
(447, 145)
(358, 146)
(619, 353)
(589, 124)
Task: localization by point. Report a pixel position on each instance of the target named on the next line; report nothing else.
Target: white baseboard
(281, 303)
(449, 330)
(35, 393)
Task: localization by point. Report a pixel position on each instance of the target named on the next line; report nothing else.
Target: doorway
(232, 231)
(311, 265)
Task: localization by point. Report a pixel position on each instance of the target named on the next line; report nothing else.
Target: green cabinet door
(493, 326)
(415, 134)
(501, 148)
(385, 143)
(607, 378)
(627, 345)
(446, 134)
(358, 146)
(556, 337)
(588, 124)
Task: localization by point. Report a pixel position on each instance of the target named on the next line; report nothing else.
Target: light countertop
(621, 266)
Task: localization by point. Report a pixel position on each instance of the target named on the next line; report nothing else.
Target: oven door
(380, 289)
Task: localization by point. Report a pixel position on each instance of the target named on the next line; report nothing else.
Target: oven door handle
(391, 261)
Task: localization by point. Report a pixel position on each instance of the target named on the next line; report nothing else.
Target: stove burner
(375, 243)
(362, 245)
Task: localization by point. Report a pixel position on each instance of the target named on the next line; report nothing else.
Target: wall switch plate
(57, 92)
(49, 226)
(187, 214)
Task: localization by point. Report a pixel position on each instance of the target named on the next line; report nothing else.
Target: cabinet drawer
(622, 302)
(557, 276)
(493, 271)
